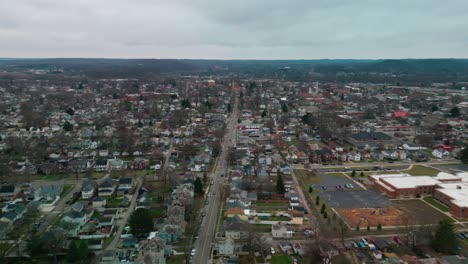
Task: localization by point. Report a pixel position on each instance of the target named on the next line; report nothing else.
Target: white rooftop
(411, 182)
(457, 191)
(446, 176)
(380, 176)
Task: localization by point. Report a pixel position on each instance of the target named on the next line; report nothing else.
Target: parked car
(193, 252)
(272, 251)
(397, 240)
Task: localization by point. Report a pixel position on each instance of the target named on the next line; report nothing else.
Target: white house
(88, 189)
(440, 153)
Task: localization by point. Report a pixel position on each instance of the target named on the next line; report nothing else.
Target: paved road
(373, 164)
(203, 244)
(122, 222)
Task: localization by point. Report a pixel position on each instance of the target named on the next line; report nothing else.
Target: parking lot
(354, 199)
(331, 181)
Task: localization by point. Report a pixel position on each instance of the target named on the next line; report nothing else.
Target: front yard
(420, 170)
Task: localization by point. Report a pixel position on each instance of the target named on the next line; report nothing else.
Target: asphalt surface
(204, 244)
(330, 182)
(354, 199)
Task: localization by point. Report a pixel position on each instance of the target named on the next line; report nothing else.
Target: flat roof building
(449, 189)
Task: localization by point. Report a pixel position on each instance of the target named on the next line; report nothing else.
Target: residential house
(95, 244)
(125, 184)
(297, 248)
(79, 165)
(286, 247)
(12, 212)
(107, 187)
(71, 229)
(48, 192)
(88, 189)
(152, 251)
(101, 165)
(440, 153)
(105, 221)
(354, 156)
(7, 191)
(99, 202)
(226, 246)
(279, 230)
(236, 230)
(116, 164)
(236, 212)
(139, 164)
(75, 217)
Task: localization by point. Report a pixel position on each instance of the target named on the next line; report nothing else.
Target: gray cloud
(242, 29)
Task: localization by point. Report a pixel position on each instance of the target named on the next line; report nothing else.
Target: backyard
(281, 259)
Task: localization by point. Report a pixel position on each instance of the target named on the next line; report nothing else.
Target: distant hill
(413, 69)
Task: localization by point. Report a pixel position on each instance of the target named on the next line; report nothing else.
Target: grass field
(308, 177)
(278, 218)
(281, 259)
(435, 203)
(273, 204)
(420, 170)
(418, 212)
(179, 259)
(65, 190)
(367, 173)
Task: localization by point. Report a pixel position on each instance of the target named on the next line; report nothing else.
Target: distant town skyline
(209, 29)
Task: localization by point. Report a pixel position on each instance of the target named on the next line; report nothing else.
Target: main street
(203, 245)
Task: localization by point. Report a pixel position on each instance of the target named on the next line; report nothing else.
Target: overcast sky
(241, 29)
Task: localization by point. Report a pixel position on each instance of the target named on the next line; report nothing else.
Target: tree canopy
(67, 126)
(444, 240)
(141, 222)
(185, 103)
(280, 185)
(464, 155)
(198, 185)
(455, 112)
(78, 251)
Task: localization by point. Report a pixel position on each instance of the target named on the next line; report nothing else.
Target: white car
(272, 251)
(193, 252)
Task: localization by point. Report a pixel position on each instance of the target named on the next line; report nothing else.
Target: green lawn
(281, 259)
(274, 204)
(279, 218)
(65, 190)
(367, 173)
(52, 177)
(156, 212)
(435, 203)
(114, 202)
(262, 227)
(179, 259)
(420, 170)
(308, 177)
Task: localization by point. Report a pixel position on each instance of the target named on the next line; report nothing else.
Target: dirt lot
(413, 212)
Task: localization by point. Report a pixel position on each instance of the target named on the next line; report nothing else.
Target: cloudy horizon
(210, 29)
